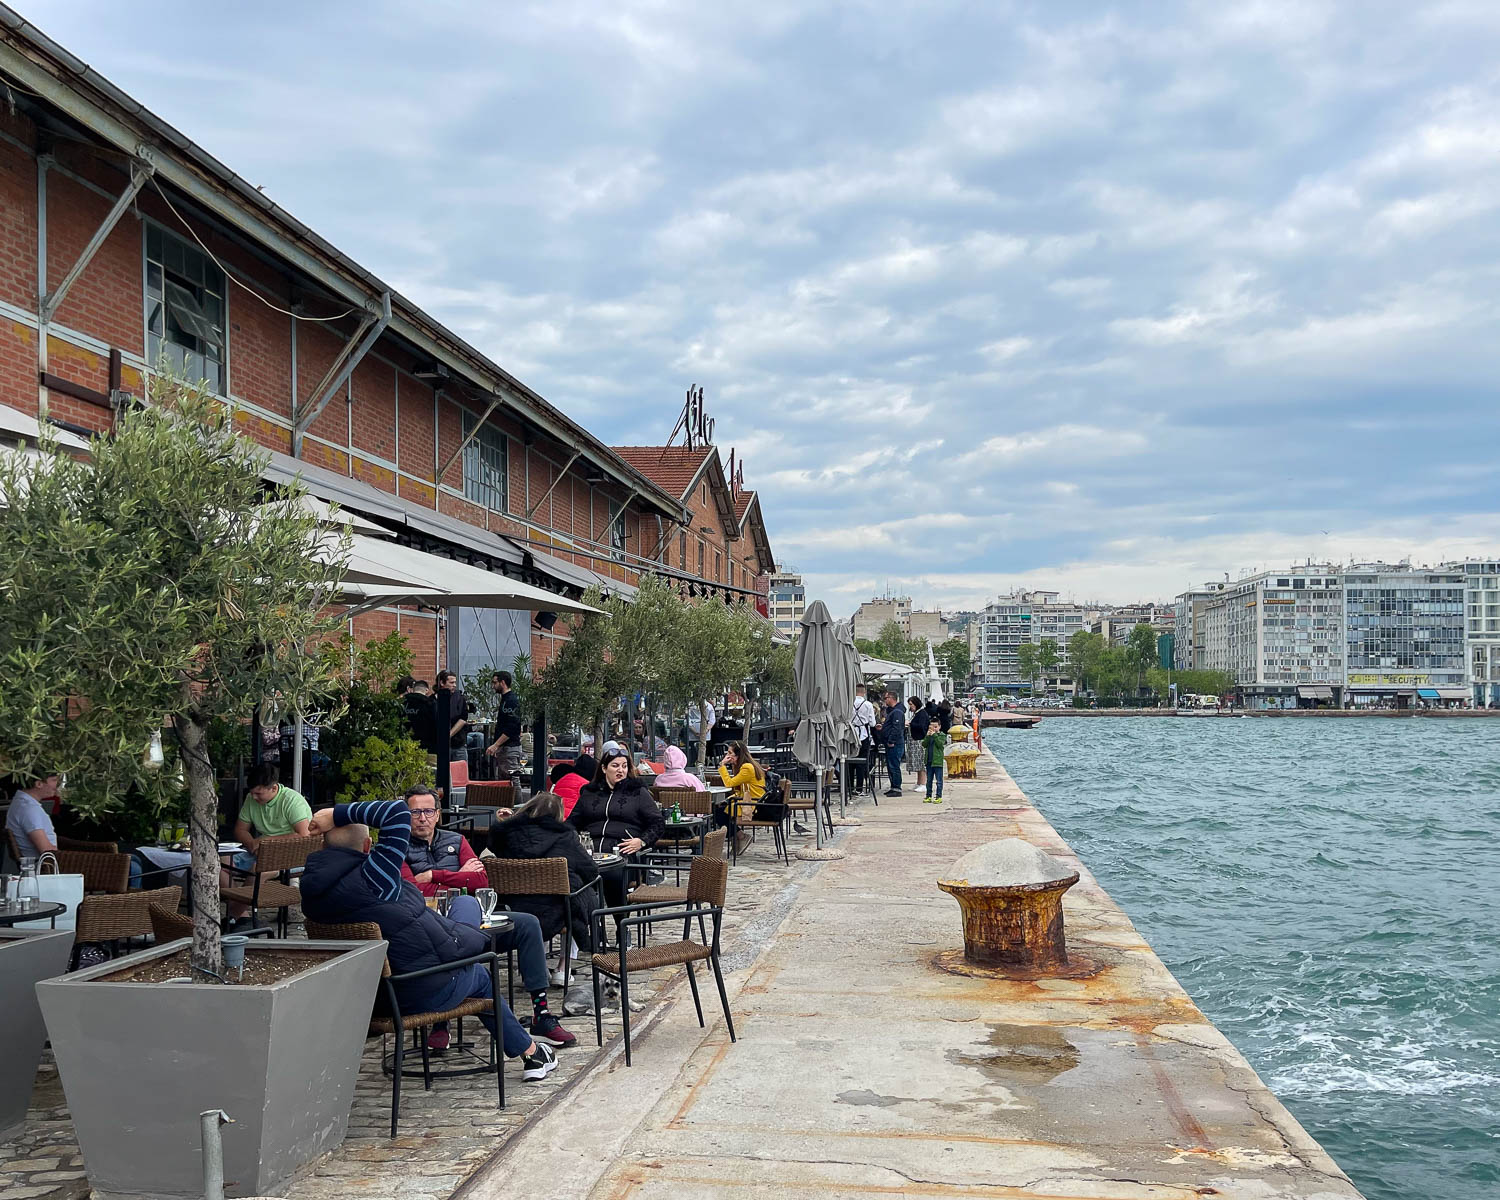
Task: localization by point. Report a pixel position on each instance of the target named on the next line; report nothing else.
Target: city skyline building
(871, 616)
(787, 599)
(1021, 618)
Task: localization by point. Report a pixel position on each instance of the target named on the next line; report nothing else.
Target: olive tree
(156, 584)
(711, 654)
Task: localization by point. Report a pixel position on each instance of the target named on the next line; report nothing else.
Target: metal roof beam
(468, 437)
(140, 172)
(371, 326)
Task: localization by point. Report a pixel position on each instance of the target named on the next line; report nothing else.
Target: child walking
(933, 746)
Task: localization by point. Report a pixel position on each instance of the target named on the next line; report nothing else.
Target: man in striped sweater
(351, 880)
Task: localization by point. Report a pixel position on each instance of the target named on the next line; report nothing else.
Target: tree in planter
(575, 687)
(711, 654)
(157, 581)
(1026, 664)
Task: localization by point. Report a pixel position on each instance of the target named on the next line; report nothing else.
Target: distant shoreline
(1426, 713)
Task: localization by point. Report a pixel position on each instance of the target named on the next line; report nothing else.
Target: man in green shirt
(271, 809)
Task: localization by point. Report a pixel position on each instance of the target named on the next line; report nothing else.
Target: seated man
(349, 881)
(440, 858)
(270, 809)
(30, 819)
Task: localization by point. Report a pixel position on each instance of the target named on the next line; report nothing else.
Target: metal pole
(297, 755)
(213, 1152)
(818, 809)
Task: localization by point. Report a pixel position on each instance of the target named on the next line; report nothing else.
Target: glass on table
(444, 900)
(488, 898)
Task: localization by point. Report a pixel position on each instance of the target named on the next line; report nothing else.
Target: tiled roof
(742, 502)
(671, 468)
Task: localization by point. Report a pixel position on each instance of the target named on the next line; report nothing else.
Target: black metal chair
(707, 882)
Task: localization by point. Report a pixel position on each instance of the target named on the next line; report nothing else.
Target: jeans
(524, 937)
(935, 775)
(473, 982)
(893, 756)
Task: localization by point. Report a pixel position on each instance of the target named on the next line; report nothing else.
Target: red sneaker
(548, 1029)
(438, 1039)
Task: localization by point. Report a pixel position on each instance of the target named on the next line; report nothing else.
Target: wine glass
(487, 898)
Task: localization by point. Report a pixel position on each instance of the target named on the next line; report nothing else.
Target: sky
(1107, 299)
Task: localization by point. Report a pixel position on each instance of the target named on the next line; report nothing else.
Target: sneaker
(538, 1066)
(438, 1039)
(548, 1028)
(559, 978)
(893, 791)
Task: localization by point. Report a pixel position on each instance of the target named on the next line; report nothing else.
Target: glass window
(702, 550)
(484, 465)
(184, 308)
(682, 551)
(616, 531)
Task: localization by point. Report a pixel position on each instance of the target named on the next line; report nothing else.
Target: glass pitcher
(28, 890)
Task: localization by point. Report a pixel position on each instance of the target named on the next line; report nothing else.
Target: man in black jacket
(893, 738)
(349, 881)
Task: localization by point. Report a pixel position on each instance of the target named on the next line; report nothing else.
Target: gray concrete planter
(140, 1061)
(25, 959)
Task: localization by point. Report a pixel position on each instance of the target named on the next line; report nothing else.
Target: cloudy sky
(1106, 298)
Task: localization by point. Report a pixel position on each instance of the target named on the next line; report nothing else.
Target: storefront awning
(1454, 693)
(580, 576)
(1316, 691)
(1428, 694)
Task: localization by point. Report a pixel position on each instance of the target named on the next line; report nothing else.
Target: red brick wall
(17, 217)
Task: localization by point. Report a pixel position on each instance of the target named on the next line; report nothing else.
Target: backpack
(771, 810)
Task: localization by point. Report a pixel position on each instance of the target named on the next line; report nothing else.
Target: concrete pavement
(871, 1061)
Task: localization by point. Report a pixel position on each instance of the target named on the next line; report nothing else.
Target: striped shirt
(392, 820)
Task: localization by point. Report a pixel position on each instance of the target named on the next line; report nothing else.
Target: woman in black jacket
(539, 831)
(618, 812)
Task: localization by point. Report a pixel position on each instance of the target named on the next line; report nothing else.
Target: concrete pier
(874, 1061)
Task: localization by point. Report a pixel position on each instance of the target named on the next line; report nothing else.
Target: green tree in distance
(1085, 655)
(894, 646)
(157, 583)
(1026, 663)
(1140, 648)
(953, 656)
(1048, 660)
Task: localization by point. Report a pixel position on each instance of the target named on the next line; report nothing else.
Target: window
(484, 465)
(701, 551)
(184, 308)
(718, 567)
(731, 572)
(682, 551)
(616, 531)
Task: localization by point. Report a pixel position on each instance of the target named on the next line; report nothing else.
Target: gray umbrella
(822, 699)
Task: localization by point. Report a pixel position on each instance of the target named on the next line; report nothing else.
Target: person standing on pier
(893, 738)
(863, 721)
(916, 729)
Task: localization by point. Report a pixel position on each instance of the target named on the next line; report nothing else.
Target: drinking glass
(487, 898)
(444, 900)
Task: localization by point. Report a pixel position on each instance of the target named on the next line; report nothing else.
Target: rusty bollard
(1011, 896)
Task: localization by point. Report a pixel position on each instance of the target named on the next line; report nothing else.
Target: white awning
(458, 583)
(880, 668)
(1317, 691)
(326, 515)
(583, 577)
(18, 426)
(1454, 693)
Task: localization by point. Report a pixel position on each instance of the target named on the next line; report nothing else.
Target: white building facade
(1482, 602)
(1280, 636)
(873, 615)
(1406, 636)
(787, 600)
(1018, 619)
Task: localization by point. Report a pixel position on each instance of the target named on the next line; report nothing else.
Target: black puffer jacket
(613, 816)
(524, 837)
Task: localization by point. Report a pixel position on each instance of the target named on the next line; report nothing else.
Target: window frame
(150, 228)
(473, 458)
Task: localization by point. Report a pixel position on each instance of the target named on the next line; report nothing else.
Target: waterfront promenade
(870, 1063)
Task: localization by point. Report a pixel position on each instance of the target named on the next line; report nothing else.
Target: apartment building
(1280, 635)
(1188, 650)
(1482, 601)
(1405, 631)
(930, 626)
(1020, 618)
(1115, 624)
(873, 615)
(788, 600)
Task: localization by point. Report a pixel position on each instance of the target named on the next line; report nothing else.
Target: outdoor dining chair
(490, 793)
(542, 877)
(279, 856)
(714, 846)
(110, 918)
(777, 825)
(388, 1018)
(705, 898)
(693, 803)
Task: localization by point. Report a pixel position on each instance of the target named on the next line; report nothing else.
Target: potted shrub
(160, 584)
(25, 958)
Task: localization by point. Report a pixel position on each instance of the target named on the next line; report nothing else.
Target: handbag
(56, 888)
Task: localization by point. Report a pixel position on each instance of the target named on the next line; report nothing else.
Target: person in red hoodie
(568, 778)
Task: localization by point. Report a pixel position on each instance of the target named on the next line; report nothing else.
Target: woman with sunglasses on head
(617, 812)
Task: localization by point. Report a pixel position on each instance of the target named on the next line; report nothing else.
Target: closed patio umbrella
(822, 702)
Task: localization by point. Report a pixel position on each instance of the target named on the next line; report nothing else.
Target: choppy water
(1328, 891)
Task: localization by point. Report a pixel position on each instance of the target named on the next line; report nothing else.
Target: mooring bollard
(1011, 893)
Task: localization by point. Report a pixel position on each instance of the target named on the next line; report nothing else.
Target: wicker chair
(279, 856)
(102, 873)
(389, 1019)
(169, 925)
(705, 898)
(67, 843)
(490, 793)
(659, 894)
(108, 919)
(694, 804)
(541, 877)
(802, 797)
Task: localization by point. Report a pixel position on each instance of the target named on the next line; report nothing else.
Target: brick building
(122, 242)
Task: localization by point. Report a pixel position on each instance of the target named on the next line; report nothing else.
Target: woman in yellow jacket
(746, 781)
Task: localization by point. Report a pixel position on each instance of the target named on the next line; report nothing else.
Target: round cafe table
(688, 826)
(46, 910)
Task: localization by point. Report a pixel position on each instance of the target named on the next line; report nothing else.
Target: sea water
(1328, 891)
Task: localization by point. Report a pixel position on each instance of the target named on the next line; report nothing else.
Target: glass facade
(1405, 630)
